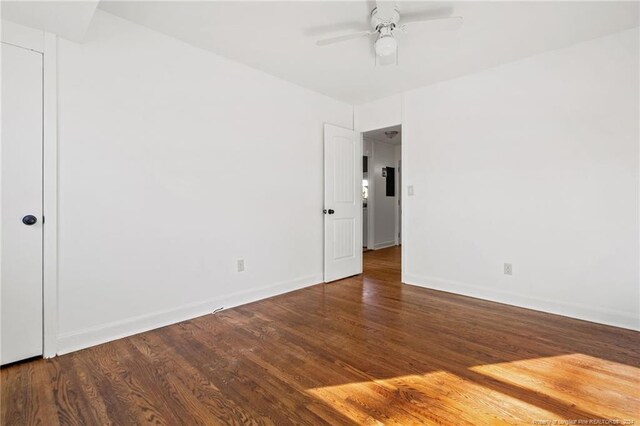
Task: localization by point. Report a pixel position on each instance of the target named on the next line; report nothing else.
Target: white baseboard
(587, 313)
(76, 340)
(385, 244)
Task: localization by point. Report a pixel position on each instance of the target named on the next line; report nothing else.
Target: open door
(342, 203)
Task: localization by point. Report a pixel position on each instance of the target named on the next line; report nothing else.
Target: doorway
(22, 204)
(381, 184)
(362, 201)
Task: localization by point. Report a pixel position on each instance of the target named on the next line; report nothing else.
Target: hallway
(383, 263)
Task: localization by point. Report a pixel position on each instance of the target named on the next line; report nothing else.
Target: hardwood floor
(364, 350)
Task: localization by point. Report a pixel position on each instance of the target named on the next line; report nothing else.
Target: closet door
(21, 212)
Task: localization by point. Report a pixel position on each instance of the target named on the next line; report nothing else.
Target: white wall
(385, 112)
(534, 163)
(22, 36)
(173, 164)
(69, 19)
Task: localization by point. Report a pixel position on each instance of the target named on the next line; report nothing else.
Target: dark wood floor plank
(220, 409)
(364, 350)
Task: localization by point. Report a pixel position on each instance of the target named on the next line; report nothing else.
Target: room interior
(183, 228)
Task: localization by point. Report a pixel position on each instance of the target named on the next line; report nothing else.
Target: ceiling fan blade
(430, 13)
(371, 4)
(345, 37)
(445, 23)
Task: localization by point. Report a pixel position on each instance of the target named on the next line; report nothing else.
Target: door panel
(21, 288)
(343, 238)
(343, 203)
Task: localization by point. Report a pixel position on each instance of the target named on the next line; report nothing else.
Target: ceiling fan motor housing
(384, 22)
(381, 19)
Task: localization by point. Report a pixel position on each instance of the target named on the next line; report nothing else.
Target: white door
(21, 255)
(342, 203)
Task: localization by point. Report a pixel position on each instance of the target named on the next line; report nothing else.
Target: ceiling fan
(386, 24)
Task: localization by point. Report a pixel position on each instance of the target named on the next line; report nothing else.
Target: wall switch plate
(240, 265)
(410, 190)
(508, 269)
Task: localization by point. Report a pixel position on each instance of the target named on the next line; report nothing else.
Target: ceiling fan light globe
(386, 46)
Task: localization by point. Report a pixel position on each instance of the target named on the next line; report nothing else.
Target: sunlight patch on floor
(431, 398)
(574, 377)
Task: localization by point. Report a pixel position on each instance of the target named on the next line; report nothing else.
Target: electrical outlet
(508, 269)
(240, 265)
(410, 190)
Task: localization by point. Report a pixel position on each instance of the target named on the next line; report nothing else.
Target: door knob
(331, 211)
(29, 219)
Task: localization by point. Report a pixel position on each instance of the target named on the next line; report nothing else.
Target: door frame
(398, 206)
(371, 202)
(46, 44)
(50, 196)
(397, 161)
(373, 123)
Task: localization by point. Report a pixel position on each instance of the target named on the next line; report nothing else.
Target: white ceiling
(379, 135)
(279, 37)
